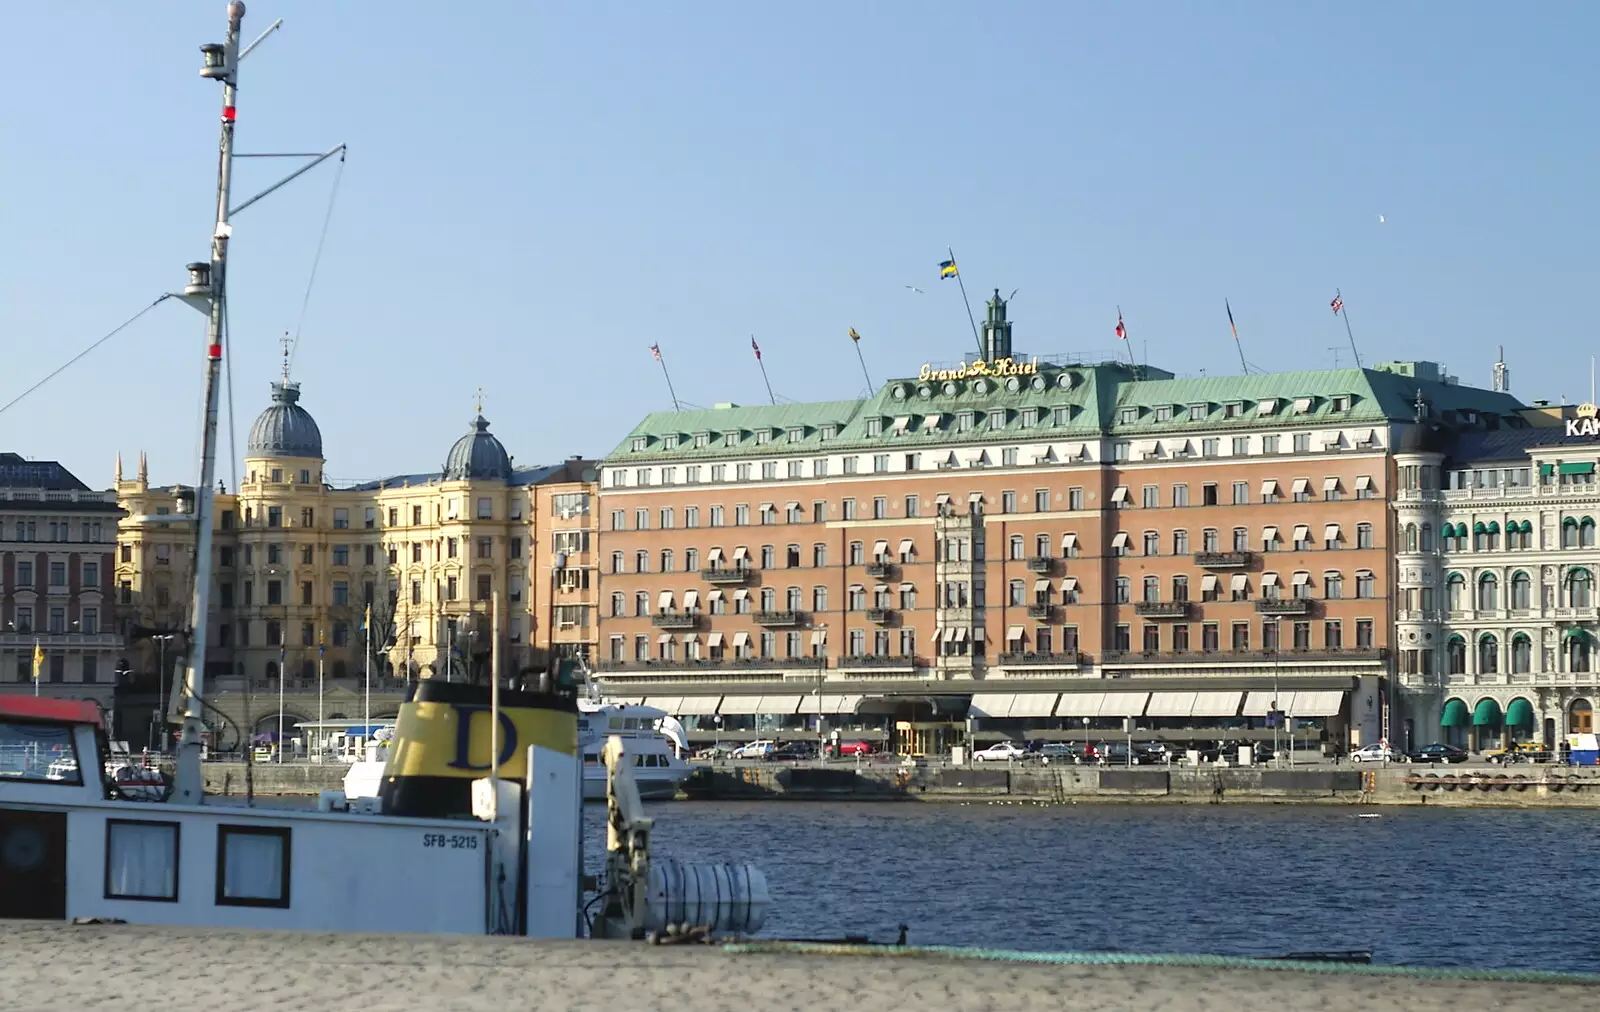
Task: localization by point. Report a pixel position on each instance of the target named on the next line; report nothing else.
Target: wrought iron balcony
(719, 575)
(778, 618)
(880, 569)
(1042, 612)
(882, 616)
(1284, 606)
(1223, 560)
(1023, 659)
(711, 664)
(669, 620)
(1289, 656)
(883, 661)
(1162, 609)
(1041, 564)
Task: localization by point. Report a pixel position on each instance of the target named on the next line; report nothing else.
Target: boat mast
(221, 64)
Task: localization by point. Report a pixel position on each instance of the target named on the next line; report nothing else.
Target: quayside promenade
(62, 966)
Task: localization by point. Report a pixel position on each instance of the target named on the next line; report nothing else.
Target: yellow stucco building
(298, 562)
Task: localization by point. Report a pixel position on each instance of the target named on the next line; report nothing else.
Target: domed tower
(1420, 604)
(285, 444)
(477, 456)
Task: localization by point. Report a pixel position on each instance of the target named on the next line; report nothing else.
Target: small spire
(144, 468)
(1421, 406)
(119, 467)
(287, 344)
(478, 403)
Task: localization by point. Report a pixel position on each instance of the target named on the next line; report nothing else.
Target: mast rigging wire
(125, 324)
(316, 261)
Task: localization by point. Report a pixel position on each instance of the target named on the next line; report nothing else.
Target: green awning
(1586, 468)
(1527, 527)
(1519, 713)
(1455, 714)
(1457, 638)
(1479, 528)
(1586, 522)
(1546, 470)
(1570, 522)
(1580, 635)
(1494, 527)
(1486, 714)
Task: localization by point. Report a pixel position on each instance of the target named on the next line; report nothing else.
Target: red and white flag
(655, 349)
(1336, 305)
(756, 347)
(1122, 331)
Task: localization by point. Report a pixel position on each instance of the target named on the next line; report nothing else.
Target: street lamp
(159, 737)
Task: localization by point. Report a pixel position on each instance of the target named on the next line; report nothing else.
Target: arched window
(1521, 590)
(1579, 588)
(1016, 546)
(1488, 592)
(1578, 651)
(1569, 532)
(1488, 654)
(1493, 535)
(1426, 543)
(1456, 655)
(1480, 537)
(1152, 589)
(1586, 532)
(1456, 590)
(272, 671)
(1411, 537)
(1521, 654)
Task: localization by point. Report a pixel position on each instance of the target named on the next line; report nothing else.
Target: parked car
(1377, 753)
(1006, 751)
(793, 751)
(856, 748)
(1438, 753)
(712, 753)
(1521, 752)
(1115, 753)
(759, 749)
(1056, 752)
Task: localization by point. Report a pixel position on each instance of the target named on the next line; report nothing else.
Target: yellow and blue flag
(38, 660)
(947, 269)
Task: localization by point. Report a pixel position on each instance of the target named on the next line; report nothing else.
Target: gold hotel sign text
(999, 367)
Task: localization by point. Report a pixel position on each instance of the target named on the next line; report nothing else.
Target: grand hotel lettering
(1586, 424)
(999, 367)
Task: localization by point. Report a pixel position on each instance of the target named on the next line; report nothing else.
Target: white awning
(1269, 487)
(664, 638)
(1120, 540)
(1330, 484)
(664, 600)
(977, 634)
(1170, 704)
(943, 498)
(1302, 532)
(1363, 482)
(907, 547)
(1266, 406)
(880, 549)
(1216, 704)
(741, 639)
(793, 505)
(963, 634)
(973, 497)
(1302, 404)
(1269, 533)
(938, 633)
(1033, 704)
(1119, 494)
(741, 553)
(819, 637)
(1079, 704)
(714, 640)
(1324, 703)
(713, 595)
(992, 704)
(715, 555)
(1123, 704)
(691, 599)
(1240, 581)
(1069, 541)
(1269, 579)
(668, 703)
(696, 705)
(908, 586)
(1014, 633)
(742, 594)
(881, 587)
(950, 634)
(1300, 579)
(1331, 532)
(1041, 586)
(828, 704)
(931, 421)
(1259, 702)
(778, 705)
(1302, 485)
(1208, 581)
(1069, 584)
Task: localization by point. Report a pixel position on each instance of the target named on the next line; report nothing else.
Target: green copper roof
(1054, 403)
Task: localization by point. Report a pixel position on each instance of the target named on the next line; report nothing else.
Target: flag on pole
(755, 346)
(1122, 330)
(855, 336)
(947, 269)
(366, 622)
(1336, 305)
(38, 660)
(655, 349)
(1231, 325)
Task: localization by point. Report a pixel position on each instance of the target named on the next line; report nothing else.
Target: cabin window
(141, 860)
(252, 866)
(38, 753)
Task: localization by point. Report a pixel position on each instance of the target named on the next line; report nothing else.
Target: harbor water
(1416, 886)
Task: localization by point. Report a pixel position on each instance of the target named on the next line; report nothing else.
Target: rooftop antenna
(1336, 350)
(1502, 375)
(287, 344)
(477, 408)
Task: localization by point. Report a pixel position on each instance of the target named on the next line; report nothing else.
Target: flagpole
(366, 715)
(1125, 340)
(763, 366)
(964, 301)
(855, 339)
(655, 349)
(282, 677)
(322, 650)
(1235, 328)
(1339, 298)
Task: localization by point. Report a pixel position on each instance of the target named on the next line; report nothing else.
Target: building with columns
(1496, 558)
(299, 562)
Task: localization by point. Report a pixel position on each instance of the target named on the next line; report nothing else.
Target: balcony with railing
(778, 619)
(712, 665)
(880, 616)
(1031, 659)
(1041, 612)
(1042, 564)
(719, 575)
(1286, 656)
(1283, 606)
(1223, 560)
(1161, 609)
(880, 569)
(675, 620)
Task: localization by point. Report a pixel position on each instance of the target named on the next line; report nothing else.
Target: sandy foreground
(58, 966)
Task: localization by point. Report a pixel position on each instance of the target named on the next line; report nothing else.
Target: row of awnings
(782, 704)
(1269, 488)
(1200, 703)
(819, 637)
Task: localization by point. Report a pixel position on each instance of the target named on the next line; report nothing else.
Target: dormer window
(829, 431)
(763, 436)
(669, 442)
(730, 438)
(1302, 405)
(1234, 409)
(1341, 404)
(796, 433)
(1060, 415)
(1267, 406)
(1128, 416)
(874, 426)
(702, 440)
(1030, 417)
(997, 419)
(1164, 413)
(964, 421)
(640, 442)
(1197, 412)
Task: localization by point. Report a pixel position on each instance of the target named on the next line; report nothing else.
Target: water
(1418, 886)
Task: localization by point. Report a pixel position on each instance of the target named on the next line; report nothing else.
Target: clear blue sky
(538, 192)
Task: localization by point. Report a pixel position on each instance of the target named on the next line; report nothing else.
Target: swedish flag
(38, 660)
(947, 269)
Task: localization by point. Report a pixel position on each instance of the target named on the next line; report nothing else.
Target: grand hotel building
(1029, 544)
